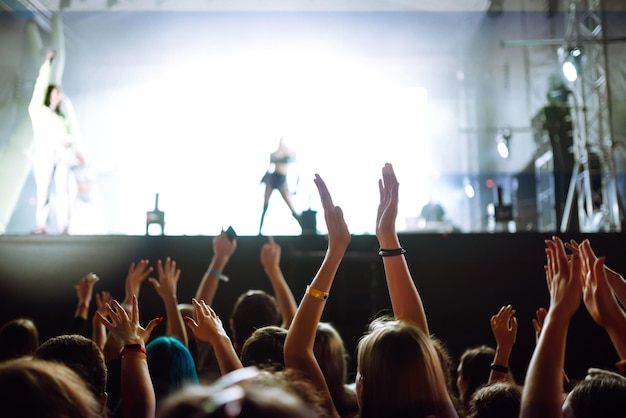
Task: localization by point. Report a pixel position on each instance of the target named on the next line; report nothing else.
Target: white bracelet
(219, 275)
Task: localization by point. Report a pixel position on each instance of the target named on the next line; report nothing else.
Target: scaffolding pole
(594, 178)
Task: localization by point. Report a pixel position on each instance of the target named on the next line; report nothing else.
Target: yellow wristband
(318, 294)
(134, 354)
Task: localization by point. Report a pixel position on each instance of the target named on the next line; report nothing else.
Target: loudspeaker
(308, 222)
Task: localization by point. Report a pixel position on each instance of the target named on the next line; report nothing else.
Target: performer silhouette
(276, 178)
(56, 150)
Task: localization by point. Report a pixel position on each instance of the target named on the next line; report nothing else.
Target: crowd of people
(277, 358)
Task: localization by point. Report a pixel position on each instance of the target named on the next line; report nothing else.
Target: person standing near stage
(56, 150)
(276, 178)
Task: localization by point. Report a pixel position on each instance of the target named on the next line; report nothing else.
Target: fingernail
(159, 320)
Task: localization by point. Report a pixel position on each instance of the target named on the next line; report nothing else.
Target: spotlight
(502, 142)
(571, 63)
(469, 188)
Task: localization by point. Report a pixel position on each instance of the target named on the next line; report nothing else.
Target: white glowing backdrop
(205, 146)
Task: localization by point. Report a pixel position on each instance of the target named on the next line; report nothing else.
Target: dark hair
(47, 99)
(253, 309)
(600, 395)
(474, 367)
(80, 354)
(498, 400)
(264, 348)
(18, 338)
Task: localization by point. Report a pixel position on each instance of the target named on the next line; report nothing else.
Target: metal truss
(594, 178)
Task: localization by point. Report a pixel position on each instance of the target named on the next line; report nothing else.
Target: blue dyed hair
(171, 365)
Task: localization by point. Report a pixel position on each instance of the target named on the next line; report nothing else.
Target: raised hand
(270, 259)
(98, 333)
(538, 320)
(270, 254)
(223, 247)
(102, 300)
(504, 327)
(206, 326)
(137, 273)
(597, 293)
(166, 285)
(563, 279)
(166, 289)
(84, 293)
(124, 326)
(388, 206)
(338, 233)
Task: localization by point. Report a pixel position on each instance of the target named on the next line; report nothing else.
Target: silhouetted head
(244, 393)
(80, 354)
(40, 388)
(171, 365)
(399, 373)
(18, 338)
(473, 371)
(264, 348)
(54, 96)
(253, 310)
(600, 394)
(497, 400)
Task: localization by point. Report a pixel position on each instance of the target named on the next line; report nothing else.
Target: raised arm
(405, 299)
(84, 294)
(223, 249)
(538, 320)
(301, 335)
(137, 274)
(270, 259)
(166, 288)
(543, 388)
(98, 330)
(208, 327)
(504, 328)
(600, 300)
(616, 280)
(41, 84)
(138, 398)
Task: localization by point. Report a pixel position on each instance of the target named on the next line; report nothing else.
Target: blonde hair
(330, 353)
(401, 373)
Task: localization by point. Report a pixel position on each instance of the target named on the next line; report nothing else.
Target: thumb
(151, 325)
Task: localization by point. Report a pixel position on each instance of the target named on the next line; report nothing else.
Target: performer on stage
(276, 178)
(56, 150)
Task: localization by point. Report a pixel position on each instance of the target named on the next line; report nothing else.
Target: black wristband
(498, 368)
(390, 253)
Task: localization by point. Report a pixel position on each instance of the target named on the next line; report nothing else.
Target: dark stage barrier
(463, 278)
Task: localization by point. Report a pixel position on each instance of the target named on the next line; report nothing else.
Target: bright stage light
(571, 64)
(469, 189)
(502, 142)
